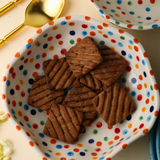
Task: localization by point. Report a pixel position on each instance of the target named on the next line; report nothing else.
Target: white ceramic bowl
(139, 14)
(98, 141)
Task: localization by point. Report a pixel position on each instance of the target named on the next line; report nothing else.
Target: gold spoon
(38, 13)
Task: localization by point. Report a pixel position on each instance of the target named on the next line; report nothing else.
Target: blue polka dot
(130, 56)
(101, 12)
(12, 91)
(72, 33)
(45, 45)
(128, 138)
(58, 146)
(28, 90)
(38, 44)
(28, 46)
(125, 132)
(112, 10)
(111, 16)
(82, 153)
(148, 94)
(84, 33)
(149, 118)
(92, 27)
(21, 123)
(47, 155)
(133, 80)
(144, 73)
(148, 18)
(8, 83)
(148, 9)
(110, 33)
(70, 153)
(151, 109)
(29, 126)
(21, 67)
(33, 112)
(140, 22)
(25, 72)
(26, 107)
(84, 131)
(143, 62)
(131, 12)
(38, 56)
(91, 141)
(131, 42)
(154, 25)
(44, 143)
(129, 118)
(119, 1)
(123, 53)
(30, 81)
(133, 93)
(12, 110)
(111, 147)
(102, 158)
(42, 68)
(120, 44)
(63, 23)
(41, 135)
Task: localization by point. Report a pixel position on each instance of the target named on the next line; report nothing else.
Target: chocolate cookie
(114, 104)
(58, 74)
(80, 99)
(83, 57)
(111, 68)
(41, 97)
(63, 123)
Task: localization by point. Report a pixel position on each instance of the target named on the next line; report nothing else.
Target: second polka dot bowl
(98, 141)
(131, 14)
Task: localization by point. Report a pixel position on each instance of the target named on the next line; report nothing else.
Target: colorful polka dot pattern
(138, 14)
(52, 41)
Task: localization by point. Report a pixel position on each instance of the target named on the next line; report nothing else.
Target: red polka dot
(94, 154)
(77, 139)
(141, 126)
(139, 97)
(18, 128)
(29, 52)
(63, 51)
(26, 60)
(145, 131)
(118, 143)
(36, 143)
(105, 25)
(58, 36)
(113, 40)
(26, 118)
(47, 113)
(28, 134)
(99, 124)
(17, 87)
(140, 77)
(128, 21)
(76, 150)
(124, 146)
(37, 66)
(107, 17)
(8, 101)
(156, 87)
(84, 26)
(140, 1)
(8, 115)
(92, 33)
(98, 149)
(135, 130)
(137, 58)
(31, 143)
(22, 93)
(104, 7)
(13, 103)
(136, 48)
(3, 96)
(120, 31)
(117, 130)
(44, 55)
(109, 127)
(44, 158)
(145, 54)
(128, 69)
(129, 26)
(4, 78)
(139, 86)
(53, 141)
(66, 146)
(50, 38)
(152, 1)
(11, 70)
(105, 36)
(151, 72)
(35, 126)
(147, 101)
(123, 12)
(118, 7)
(13, 75)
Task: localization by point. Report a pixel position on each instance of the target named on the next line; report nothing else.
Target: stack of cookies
(92, 75)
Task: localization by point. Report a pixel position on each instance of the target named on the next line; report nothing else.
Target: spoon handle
(11, 34)
(8, 6)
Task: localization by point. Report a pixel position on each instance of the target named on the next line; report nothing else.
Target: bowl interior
(130, 14)
(98, 141)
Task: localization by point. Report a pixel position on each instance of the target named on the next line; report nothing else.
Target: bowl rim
(57, 22)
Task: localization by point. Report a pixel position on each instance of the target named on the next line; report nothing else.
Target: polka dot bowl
(98, 141)
(139, 14)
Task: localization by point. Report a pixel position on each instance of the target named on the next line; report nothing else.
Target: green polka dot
(124, 80)
(40, 110)
(85, 150)
(105, 138)
(15, 117)
(117, 23)
(121, 122)
(139, 17)
(151, 87)
(140, 27)
(108, 2)
(140, 118)
(49, 151)
(121, 37)
(72, 41)
(104, 153)
(95, 131)
(22, 58)
(102, 42)
(42, 123)
(20, 103)
(45, 35)
(130, 3)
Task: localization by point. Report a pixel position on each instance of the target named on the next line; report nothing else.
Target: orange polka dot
(99, 143)
(139, 86)
(135, 40)
(76, 150)
(87, 18)
(7, 66)
(105, 36)
(32, 134)
(60, 42)
(34, 74)
(117, 15)
(156, 87)
(129, 26)
(37, 42)
(94, 154)
(21, 82)
(3, 96)
(71, 23)
(39, 31)
(55, 27)
(79, 39)
(63, 158)
(137, 66)
(31, 60)
(30, 40)
(110, 152)
(109, 127)
(129, 125)
(99, 26)
(92, 33)
(145, 131)
(143, 109)
(151, 72)
(116, 137)
(31, 143)
(135, 133)
(100, 32)
(105, 25)
(135, 130)
(50, 38)
(20, 113)
(44, 55)
(127, 89)
(44, 158)
(118, 7)
(124, 146)
(4, 78)
(145, 54)
(79, 145)
(136, 48)
(53, 141)
(18, 128)
(51, 23)
(108, 158)
(107, 17)
(67, 17)
(110, 142)
(51, 48)
(95, 158)
(8, 115)
(112, 48)
(120, 31)
(156, 113)
(58, 154)
(17, 55)
(152, 98)
(130, 47)
(140, 77)
(55, 56)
